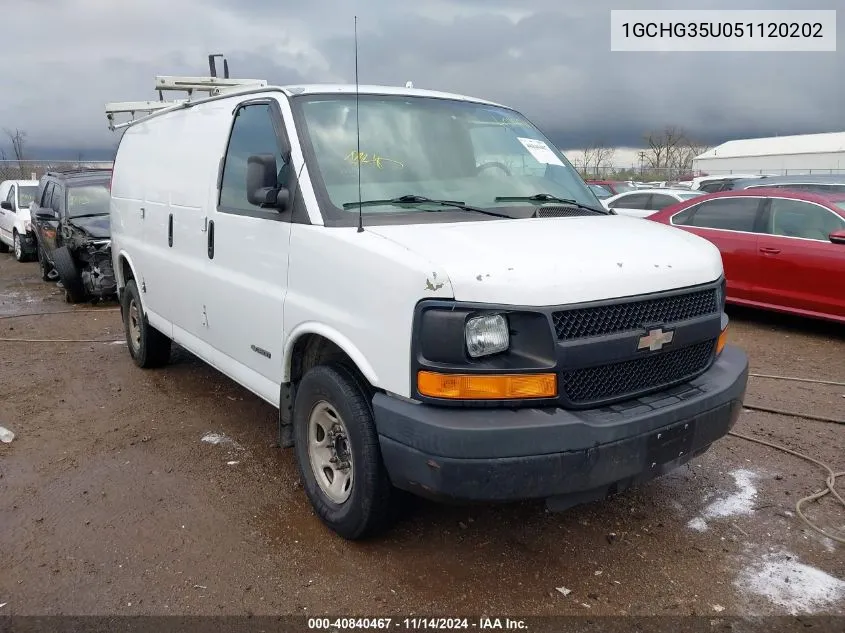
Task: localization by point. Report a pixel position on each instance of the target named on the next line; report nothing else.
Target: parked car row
(63, 222)
(782, 249)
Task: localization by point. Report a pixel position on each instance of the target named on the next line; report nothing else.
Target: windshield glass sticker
(540, 151)
(365, 159)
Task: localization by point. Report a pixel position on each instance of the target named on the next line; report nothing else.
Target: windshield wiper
(547, 197)
(86, 215)
(412, 199)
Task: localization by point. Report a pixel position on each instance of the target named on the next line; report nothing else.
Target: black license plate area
(670, 444)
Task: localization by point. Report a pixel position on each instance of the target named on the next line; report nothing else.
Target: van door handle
(170, 230)
(211, 239)
(143, 212)
(769, 250)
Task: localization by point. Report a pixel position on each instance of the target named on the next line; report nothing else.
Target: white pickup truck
(426, 289)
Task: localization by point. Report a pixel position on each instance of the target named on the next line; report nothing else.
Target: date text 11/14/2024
(415, 623)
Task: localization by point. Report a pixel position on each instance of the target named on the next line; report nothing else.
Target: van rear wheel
(338, 455)
(147, 346)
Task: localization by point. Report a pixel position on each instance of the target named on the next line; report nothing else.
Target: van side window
(252, 133)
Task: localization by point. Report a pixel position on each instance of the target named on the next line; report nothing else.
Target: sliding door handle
(769, 250)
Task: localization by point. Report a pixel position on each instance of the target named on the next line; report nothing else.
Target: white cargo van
(427, 290)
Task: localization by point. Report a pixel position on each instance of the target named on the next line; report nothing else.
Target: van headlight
(487, 335)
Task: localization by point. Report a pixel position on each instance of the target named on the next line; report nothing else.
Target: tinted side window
(58, 198)
(797, 218)
(729, 214)
(710, 187)
(47, 196)
(634, 201)
(661, 201)
(252, 133)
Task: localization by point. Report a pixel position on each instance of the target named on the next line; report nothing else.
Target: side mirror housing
(6, 205)
(262, 188)
(837, 237)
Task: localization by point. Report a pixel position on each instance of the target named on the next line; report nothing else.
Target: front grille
(635, 377)
(633, 315)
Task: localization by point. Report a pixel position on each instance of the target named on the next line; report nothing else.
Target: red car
(782, 250)
(613, 186)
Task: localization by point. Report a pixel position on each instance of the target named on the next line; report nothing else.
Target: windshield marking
(364, 159)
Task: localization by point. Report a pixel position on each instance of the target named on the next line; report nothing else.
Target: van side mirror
(6, 205)
(837, 237)
(262, 187)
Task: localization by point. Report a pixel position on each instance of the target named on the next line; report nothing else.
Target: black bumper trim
(507, 455)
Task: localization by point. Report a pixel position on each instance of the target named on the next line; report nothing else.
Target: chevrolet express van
(426, 289)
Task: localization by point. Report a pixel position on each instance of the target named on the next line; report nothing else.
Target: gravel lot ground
(109, 487)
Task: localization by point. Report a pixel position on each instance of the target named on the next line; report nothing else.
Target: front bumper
(566, 457)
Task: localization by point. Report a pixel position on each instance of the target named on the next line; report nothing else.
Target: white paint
(219, 438)
(292, 279)
(784, 581)
(17, 219)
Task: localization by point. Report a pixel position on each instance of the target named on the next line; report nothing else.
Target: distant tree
(602, 157)
(662, 148)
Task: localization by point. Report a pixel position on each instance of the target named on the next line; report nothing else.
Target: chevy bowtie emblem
(655, 340)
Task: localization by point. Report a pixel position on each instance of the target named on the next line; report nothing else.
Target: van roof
(304, 89)
(307, 89)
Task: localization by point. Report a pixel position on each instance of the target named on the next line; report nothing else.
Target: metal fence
(34, 169)
(666, 174)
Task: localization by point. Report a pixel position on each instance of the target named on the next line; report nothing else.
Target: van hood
(554, 261)
(97, 226)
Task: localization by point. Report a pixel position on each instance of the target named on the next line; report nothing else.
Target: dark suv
(70, 219)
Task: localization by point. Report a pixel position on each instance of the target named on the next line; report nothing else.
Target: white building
(777, 155)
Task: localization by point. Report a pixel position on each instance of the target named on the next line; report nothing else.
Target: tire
(44, 265)
(17, 248)
(147, 346)
(69, 275)
(331, 393)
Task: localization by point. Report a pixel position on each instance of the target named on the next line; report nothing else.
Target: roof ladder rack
(211, 85)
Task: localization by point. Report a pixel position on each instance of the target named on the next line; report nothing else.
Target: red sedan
(782, 250)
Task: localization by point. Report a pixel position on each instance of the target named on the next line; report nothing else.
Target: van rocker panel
(513, 454)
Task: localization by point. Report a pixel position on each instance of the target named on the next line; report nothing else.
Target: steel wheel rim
(17, 246)
(330, 453)
(134, 325)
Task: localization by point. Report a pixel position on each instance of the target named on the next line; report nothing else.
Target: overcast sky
(63, 59)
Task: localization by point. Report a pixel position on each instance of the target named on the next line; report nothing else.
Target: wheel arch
(310, 343)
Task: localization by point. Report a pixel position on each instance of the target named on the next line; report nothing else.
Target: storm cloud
(548, 58)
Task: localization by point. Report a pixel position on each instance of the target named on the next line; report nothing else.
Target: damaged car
(70, 219)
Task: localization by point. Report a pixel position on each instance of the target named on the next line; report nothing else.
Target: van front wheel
(337, 451)
(147, 346)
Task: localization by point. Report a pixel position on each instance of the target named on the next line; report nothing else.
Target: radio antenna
(358, 135)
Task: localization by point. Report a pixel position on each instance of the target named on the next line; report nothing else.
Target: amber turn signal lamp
(486, 387)
(723, 338)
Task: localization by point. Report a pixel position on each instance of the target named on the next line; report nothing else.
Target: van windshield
(88, 200)
(441, 149)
